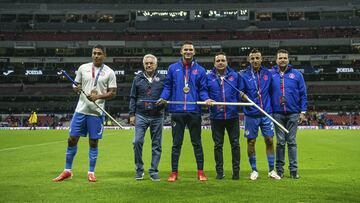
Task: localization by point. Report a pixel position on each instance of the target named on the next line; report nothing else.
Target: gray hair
(150, 56)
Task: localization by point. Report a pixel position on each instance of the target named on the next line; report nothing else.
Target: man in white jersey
(99, 83)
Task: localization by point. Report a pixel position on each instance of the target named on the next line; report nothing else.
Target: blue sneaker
(154, 177)
(139, 176)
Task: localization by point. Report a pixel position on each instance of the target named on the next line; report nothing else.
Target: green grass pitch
(329, 162)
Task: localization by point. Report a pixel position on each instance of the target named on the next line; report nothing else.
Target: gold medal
(93, 92)
(186, 89)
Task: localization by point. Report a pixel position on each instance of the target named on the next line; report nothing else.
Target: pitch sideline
(36, 145)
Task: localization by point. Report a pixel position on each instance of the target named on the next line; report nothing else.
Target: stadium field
(329, 162)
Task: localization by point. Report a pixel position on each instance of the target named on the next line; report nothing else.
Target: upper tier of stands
(168, 36)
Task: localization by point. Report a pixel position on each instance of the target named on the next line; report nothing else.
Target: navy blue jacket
(254, 83)
(294, 91)
(142, 89)
(222, 91)
(175, 82)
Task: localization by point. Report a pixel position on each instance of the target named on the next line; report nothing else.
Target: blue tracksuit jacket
(292, 86)
(254, 83)
(142, 89)
(175, 82)
(222, 91)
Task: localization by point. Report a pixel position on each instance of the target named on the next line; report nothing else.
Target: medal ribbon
(259, 90)
(257, 85)
(97, 75)
(186, 79)
(186, 83)
(220, 79)
(223, 94)
(186, 76)
(188, 67)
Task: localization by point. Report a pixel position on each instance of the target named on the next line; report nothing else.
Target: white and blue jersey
(88, 119)
(94, 78)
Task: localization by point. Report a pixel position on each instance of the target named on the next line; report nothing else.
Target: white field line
(35, 145)
(32, 145)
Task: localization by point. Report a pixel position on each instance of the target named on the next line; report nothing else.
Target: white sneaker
(254, 175)
(274, 175)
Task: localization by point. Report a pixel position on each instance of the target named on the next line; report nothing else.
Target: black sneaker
(294, 175)
(235, 176)
(220, 176)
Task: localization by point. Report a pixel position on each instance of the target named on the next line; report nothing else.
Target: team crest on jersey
(173, 123)
(102, 73)
(292, 75)
(265, 77)
(148, 92)
(195, 72)
(231, 78)
(247, 132)
(157, 79)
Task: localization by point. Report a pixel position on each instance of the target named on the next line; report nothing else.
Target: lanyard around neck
(282, 83)
(282, 80)
(187, 68)
(97, 75)
(257, 85)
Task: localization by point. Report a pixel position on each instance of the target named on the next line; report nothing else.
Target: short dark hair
(282, 51)
(254, 50)
(99, 46)
(219, 53)
(187, 42)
